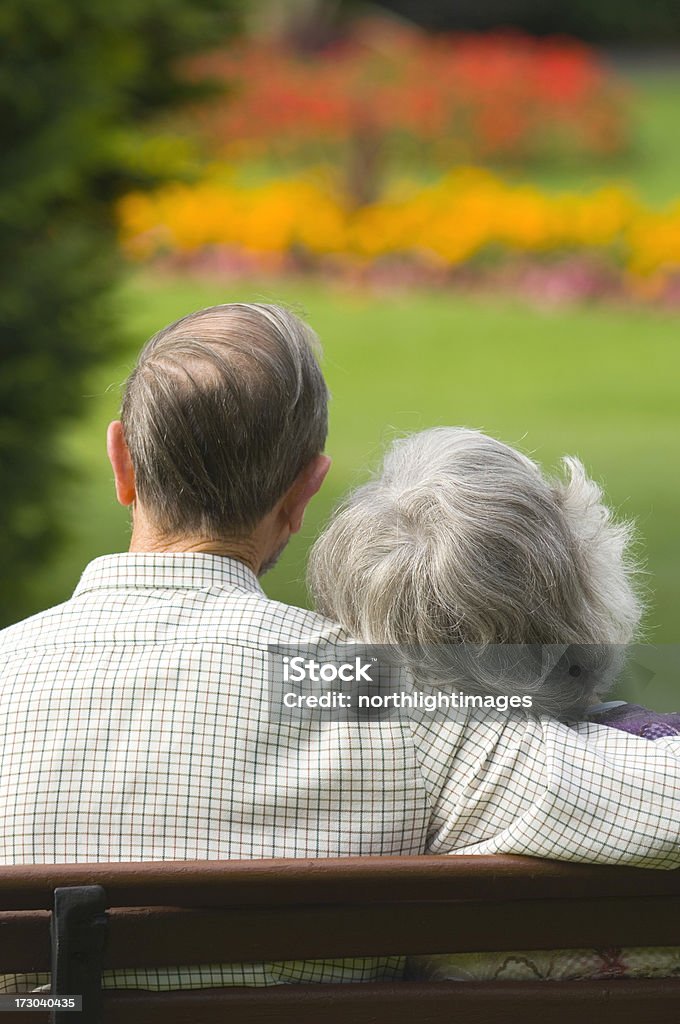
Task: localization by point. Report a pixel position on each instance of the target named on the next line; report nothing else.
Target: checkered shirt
(134, 727)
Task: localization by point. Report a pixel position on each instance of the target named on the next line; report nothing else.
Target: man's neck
(245, 549)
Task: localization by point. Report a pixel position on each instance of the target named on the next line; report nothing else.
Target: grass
(600, 383)
(652, 166)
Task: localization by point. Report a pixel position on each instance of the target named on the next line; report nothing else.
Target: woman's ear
(121, 463)
(305, 486)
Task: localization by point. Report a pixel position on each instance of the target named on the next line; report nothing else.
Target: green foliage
(80, 81)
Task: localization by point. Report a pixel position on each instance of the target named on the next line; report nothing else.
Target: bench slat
(154, 939)
(157, 937)
(357, 879)
(616, 1002)
(559, 1002)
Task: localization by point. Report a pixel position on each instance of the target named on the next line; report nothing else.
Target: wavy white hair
(461, 539)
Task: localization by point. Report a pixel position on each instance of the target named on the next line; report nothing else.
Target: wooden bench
(188, 912)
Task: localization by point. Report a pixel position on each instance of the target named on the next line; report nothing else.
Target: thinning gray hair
(461, 539)
(222, 411)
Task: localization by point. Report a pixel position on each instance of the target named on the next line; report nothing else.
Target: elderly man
(134, 716)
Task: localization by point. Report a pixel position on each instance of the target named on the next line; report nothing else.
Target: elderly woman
(462, 540)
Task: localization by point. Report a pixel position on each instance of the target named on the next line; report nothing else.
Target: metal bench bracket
(79, 930)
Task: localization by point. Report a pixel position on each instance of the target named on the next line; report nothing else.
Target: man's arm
(537, 787)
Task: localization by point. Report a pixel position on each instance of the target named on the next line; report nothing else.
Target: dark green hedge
(79, 81)
(602, 21)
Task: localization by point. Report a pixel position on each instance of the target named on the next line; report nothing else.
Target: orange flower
(463, 214)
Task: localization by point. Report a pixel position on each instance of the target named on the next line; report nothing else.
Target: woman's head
(461, 539)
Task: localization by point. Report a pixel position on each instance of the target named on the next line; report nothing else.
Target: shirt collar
(169, 570)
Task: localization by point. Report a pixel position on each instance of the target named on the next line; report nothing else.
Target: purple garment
(651, 725)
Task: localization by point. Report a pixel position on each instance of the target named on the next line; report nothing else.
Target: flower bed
(469, 218)
(440, 98)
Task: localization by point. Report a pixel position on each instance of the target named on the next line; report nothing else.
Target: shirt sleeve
(538, 787)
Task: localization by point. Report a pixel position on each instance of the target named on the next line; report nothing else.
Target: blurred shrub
(393, 92)
(618, 21)
(79, 81)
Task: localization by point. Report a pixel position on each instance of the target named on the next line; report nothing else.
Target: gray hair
(222, 411)
(460, 539)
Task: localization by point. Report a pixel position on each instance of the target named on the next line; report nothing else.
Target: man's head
(223, 422)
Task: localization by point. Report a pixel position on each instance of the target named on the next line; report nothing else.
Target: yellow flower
(451, 220)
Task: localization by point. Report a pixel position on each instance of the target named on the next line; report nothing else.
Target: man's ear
(121, 463)
(307, 483)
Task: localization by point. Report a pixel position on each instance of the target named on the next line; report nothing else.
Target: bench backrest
(186, 912)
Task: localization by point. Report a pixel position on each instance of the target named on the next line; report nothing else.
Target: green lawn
(601, 383)
(652, 166)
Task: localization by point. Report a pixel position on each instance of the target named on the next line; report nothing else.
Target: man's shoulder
(30, 631)
(266, 621)
(243, 619)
